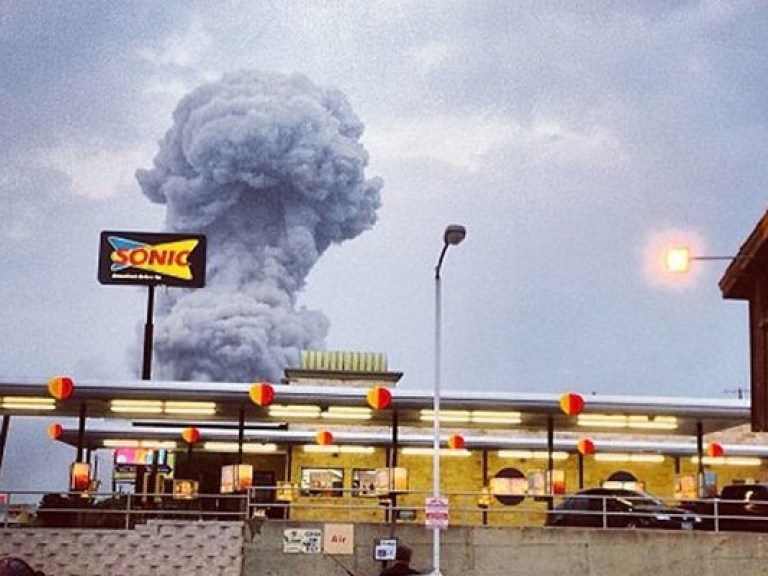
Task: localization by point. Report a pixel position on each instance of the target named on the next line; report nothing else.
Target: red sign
(436, 513)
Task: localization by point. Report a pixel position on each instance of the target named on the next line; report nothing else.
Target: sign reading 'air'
(147, 258)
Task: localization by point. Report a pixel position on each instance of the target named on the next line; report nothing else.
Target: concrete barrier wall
(158, 548)
(163, 548)
(491, 551)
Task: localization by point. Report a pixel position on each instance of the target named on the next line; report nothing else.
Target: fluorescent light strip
(412, 451)
(294, 411)
(346, 449)
(652, 423)
(136, 410)
(157, 444)
(251, 448)
(138, 403)
(347, 413)
(207, 408)
(622, 421)
(618, 457)
(191, 411)
(489, 417)
(728, 461)
(120, 443)
(446, 415)
(600, 423)
(151, 444)
(160, 407)
(357, 449)
(143, 406)
(532, 454)
(476, 416)
(27, 403)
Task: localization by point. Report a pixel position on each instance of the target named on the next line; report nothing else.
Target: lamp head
(454, 234)
(678, 259)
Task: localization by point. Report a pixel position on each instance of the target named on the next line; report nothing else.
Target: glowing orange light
(571, 404)
(55, 431)
(79, 476)
(379, 398)
(262, 394)
(190, 435)
(455, 442)
(324, 438)
(585, 446)
(715, 450)
(61, 388)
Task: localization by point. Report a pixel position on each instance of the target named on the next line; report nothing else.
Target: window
(322, 482)
(365, 483)
(509, 486)
(369, 482)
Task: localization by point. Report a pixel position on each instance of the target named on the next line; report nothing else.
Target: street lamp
(453, 235)
(678, 259)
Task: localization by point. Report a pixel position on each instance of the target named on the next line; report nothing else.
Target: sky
(574, 141)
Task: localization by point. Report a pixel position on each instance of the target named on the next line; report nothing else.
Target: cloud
(432, 55)
(474, 143)
(182, 49)
(95, 170)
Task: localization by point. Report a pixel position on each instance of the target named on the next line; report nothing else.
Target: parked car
(11, 566)
(618, 508)
(739, 507)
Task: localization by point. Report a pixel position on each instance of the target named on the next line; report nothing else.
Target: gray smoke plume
(271, 170)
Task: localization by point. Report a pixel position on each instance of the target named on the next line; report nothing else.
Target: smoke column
(271, 170)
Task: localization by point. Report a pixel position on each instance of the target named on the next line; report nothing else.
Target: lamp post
(453, 235)
(677, 260)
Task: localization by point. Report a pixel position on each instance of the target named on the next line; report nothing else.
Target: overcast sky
(573, 140)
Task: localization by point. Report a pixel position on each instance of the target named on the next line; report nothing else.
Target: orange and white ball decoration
(455, 442)
(715, 450)
(571, 404)
(190, 435)
(61, 387)
(262, 394)
(585, 446)
(324, 438)
(379, 398)
(55, 431)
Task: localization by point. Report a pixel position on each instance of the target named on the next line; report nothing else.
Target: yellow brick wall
(347, 508)
(459, 475)
(462, 481)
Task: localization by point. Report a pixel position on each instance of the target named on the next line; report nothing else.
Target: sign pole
(149, 259)
(146, 370)
(4, 436)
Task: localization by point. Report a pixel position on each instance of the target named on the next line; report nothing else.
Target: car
(12, 566)
(619, 508)
(739, 507)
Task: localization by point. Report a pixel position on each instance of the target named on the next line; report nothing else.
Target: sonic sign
(150, 259)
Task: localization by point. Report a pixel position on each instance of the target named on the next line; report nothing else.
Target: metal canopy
(535, 410)
(95, 438)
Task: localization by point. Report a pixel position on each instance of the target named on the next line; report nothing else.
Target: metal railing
(120, 510)
(114, 510)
